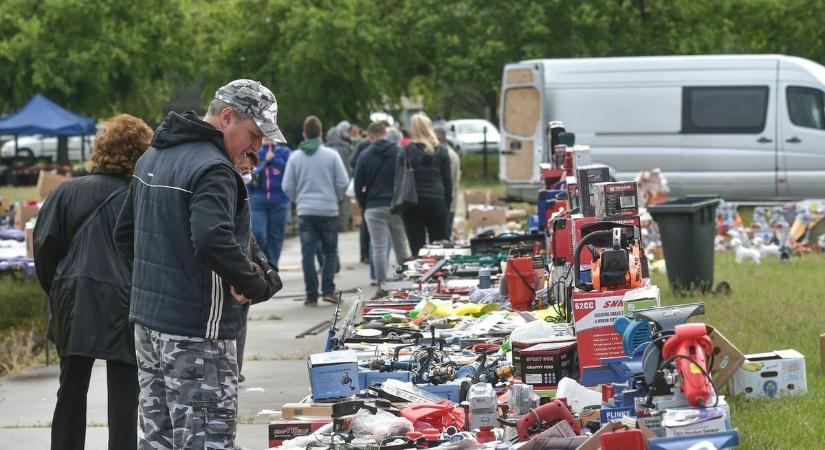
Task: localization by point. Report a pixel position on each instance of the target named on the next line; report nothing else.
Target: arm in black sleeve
(124, 233)
(359, 182)
(212, 210)
(49, 244)
(446, 178)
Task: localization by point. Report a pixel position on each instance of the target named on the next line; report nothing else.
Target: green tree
(97, 58)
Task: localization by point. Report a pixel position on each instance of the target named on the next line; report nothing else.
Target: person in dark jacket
(363, 233)
(425, 221)
(374, 180)
(186, 221)
(88, 282)
(270, 205)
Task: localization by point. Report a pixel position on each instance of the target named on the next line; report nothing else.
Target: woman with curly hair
(89, 282)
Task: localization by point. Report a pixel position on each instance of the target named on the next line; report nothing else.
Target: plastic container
(688, 227)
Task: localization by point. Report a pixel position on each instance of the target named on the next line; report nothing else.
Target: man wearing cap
(186, 224)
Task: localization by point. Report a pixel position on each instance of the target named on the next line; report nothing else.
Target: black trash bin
(688, 227)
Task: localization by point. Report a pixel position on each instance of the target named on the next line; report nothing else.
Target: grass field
(771, 307)
(19, 193)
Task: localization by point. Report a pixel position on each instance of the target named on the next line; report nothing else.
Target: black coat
(375, 174)
(87, 278)
(432, 171)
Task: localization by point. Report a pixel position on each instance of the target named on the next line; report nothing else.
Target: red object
(691, 341)
(431, 434)
(623, 440)
(284, 430)
(608, 392)
(434, 415)
(593, 315)
(550, 175)
(521, 282)
(485, 434)
(549, 413)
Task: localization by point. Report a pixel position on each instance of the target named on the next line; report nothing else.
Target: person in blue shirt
(270, 205)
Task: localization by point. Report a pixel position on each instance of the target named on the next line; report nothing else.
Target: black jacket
(432, 172)
(186, 221)
(375, 174)
(87, 278)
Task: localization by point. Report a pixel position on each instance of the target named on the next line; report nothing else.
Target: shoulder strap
(94, 214)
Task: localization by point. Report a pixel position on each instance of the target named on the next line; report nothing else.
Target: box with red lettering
(593, 315)
(284, 430)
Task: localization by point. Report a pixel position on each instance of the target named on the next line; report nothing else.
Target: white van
(746, 127)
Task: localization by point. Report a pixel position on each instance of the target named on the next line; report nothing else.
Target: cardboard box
(284, 430)
(356, 214)
(47, 182)
(368, 378)
(515, 214)
(477, 197)
(587, 177)
(726, 358)
(29, 242)
(291, 411)
(680, 422)
(619, 199)
(451, 392)
(641, 298)
(5, 206)
(545, 364)
(333, 374)
(23, 212)
(607, 415)
(485, 217)
(593, 315)
(767, 375)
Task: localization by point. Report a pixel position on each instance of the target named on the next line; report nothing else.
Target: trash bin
(688, 227)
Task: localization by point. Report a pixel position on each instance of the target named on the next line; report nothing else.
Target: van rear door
(802, 139)
(522, 140)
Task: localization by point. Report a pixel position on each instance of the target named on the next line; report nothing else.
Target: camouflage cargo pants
(188, 391)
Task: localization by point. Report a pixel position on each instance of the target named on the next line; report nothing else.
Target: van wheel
(24, 154)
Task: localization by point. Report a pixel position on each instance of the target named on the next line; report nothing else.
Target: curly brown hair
(118, 145)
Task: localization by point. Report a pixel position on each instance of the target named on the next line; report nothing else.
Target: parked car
(746, 127)
(467, 135)
(30, 147)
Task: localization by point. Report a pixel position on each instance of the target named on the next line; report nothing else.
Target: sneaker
(331, 298)
(309, 302)
(379, 294)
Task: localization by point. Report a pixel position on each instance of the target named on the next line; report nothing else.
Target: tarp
(43, 116)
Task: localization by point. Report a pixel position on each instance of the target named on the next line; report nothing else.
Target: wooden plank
(520, 162)
(519, 76)
(522, 111)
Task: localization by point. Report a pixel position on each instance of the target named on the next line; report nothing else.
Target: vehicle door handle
(793, 140)
(764, 140)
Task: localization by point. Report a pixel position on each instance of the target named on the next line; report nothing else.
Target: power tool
(617, 267)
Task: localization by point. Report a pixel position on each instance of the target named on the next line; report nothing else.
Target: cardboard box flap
(339, 357)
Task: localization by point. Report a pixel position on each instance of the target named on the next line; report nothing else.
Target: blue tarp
(43, 116)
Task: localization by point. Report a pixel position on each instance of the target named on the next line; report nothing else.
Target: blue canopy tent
(42, 116)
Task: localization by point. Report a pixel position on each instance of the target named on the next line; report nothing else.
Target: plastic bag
(380, 426)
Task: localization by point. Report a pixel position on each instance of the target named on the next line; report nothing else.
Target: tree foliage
(344, 58)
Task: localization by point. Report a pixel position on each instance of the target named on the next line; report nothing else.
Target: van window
(805, 107)
(724, 109)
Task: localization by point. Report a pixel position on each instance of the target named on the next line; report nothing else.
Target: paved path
(274, 365)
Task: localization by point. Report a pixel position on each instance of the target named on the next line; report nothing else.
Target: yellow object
(437, 308)
(474, 309)
(544, 314)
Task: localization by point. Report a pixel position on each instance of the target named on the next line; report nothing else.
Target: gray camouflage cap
(254, 99)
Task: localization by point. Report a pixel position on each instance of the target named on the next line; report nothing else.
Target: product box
(593, 315)
(518, 346)
(47, 182)
(293, 411)
(582, 155)
(368, 378)
(333, 374)
(607, 415)
(726, 357)
(451, 392)
(680, 422)
(486, 216)
(587, 177)
(641, 298)
(572, 192)
(619, 199)
(284, 430)
(477, 197)
(546, 364)
(767, 375)
(23, 212)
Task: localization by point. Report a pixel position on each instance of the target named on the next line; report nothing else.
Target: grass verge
(771, 307)
(22, 324)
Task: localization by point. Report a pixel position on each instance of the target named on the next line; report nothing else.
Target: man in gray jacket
(315, 180)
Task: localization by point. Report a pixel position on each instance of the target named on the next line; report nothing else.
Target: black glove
(273, 280)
